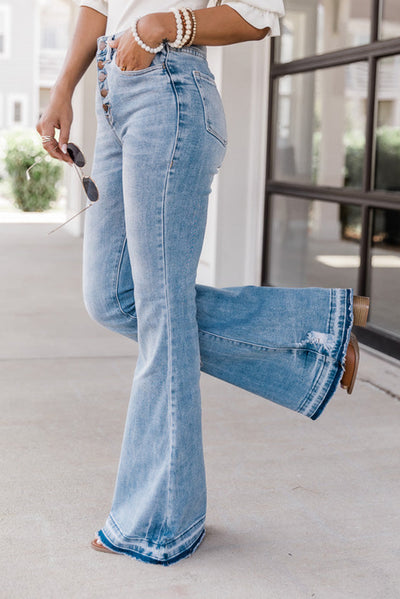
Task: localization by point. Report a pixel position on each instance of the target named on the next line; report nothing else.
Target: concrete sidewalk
(296, 509)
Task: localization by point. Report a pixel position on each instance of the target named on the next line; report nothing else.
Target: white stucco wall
(19, 67)
(232, 249)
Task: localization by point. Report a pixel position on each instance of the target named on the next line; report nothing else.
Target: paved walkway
(296, 509)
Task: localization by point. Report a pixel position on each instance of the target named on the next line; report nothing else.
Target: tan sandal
(360, 310)
(98, 546)
(351, 364)
(360, 316)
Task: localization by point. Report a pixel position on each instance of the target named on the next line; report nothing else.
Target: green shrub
(23, 148)
(387, 159)
(355, 151)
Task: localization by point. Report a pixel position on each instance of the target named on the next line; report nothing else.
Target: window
(17, 110)
(54, 32)
(316, 26)
(5, 31)
(333, 178)
(390, 23)
(313, 243)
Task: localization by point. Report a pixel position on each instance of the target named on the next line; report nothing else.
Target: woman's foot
(351, 364)
(360, 315)
(98, 546)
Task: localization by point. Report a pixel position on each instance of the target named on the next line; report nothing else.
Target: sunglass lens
(91, 190)
(76, 154)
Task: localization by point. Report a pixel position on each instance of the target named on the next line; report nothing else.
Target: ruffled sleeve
(99, 5)
(260, 13)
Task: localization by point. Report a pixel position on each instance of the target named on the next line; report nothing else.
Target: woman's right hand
(58, 115)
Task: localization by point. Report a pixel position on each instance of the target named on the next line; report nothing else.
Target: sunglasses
(78, 161)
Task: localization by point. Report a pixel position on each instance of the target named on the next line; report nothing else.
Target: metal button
(102, 76)
(105, 107)
(102, 45)
(104, 92)
(100, 64)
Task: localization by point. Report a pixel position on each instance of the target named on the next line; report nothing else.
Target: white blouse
(120, 13)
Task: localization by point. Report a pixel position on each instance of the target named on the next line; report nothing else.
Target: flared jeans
(161, 139)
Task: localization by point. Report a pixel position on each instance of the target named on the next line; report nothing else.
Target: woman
(161, 138)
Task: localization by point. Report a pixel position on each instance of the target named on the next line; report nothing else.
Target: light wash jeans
(160, 141)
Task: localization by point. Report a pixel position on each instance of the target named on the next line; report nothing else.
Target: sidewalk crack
(380, 388)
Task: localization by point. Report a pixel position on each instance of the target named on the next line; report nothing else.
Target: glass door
(332, 214)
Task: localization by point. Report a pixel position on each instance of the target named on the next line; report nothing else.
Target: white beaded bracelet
(179, 29)
(141, 42)
(188, 22)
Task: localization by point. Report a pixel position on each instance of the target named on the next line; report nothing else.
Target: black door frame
(367, 197)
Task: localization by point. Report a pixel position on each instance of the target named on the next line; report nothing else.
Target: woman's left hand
(130, 56)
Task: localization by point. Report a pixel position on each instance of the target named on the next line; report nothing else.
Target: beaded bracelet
(194, 27)
(180, 40)
(141, 42)
(179, 29)
(188, 27)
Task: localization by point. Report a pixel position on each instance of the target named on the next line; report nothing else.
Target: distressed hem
(151, 552)
(330, 375)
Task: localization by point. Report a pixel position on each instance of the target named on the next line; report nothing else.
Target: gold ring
(123, 68)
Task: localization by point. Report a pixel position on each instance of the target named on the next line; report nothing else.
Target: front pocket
(151, 67)
(214, 114)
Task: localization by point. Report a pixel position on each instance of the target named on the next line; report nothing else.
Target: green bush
(387, 159)
(387, 169)
(23, 148)
(355, 151)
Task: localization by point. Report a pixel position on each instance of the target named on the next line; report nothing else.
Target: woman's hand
(132, 57)
(58, 115)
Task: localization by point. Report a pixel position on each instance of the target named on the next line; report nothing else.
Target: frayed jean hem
(333, 374)
(150, 552)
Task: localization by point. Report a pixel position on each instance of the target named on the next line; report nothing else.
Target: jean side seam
(168, 514)
(117, 282)
(307, 400)
(260, 347)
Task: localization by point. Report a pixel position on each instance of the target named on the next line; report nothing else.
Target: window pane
(314, 243)
(4, 28)
(17, 112)
(387, 171)
(390, 24)
(316, 26)
(321, 117)
(54, 30)
(385, 278)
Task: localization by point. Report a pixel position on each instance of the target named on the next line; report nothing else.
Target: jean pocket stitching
(148, 69)
(198, 76)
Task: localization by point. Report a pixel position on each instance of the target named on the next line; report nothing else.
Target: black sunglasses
(78, 161)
